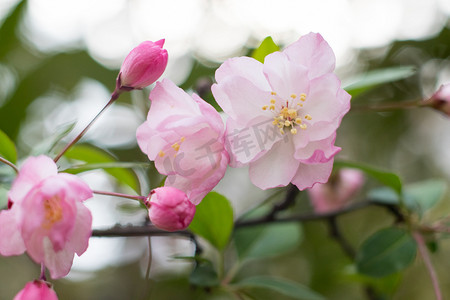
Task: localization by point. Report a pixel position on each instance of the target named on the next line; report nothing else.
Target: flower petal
(58, 263)
(309, 174)
(11, 242)
(276, 168)
(317, 151)
(313, 52)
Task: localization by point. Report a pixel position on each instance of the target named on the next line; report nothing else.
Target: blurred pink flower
(143, 65)
(36, 290)
(283, 114)
(170, 209)
(441, 99)
(184, 135)
(46, 216)
(337, 192)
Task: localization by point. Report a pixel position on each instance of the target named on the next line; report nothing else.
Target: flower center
(53, 211)
(175, 147)
(287, 116)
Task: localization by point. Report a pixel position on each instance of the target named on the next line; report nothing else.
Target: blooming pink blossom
(283, 114)
(143, 65)
(46, 218)
(184, 135)
(441, 99)
(170, 209)
(337, 192)
(36, 290)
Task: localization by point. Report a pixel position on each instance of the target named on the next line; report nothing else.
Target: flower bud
(441, 99)
(170, 209)
(337, 192)
(143, 65)
(36, 290)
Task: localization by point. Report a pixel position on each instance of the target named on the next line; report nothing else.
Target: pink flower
(170, 209)
(441, 99)
(36, 290)
(184, 135)
(143, 65)
(337, 192)
(47, 218)
(283, 114)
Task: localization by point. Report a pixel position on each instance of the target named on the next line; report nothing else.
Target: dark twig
(292, 192)
(336, 234)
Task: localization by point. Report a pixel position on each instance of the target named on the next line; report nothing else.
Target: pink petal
(276, 168)
(244, 67)
(36, 290)
(285, 78)
(241, 99)
(11, 242)
(317, 151)
(309, 174)
(33, 170)
(79, 240)
(75, 187)
(58, 263)
(313, 52)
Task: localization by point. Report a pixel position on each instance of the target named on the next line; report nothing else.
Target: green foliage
(267, 46)
(377, 77)
(283, 286)
(204, 275)
(214, 220)
(267, 240)
(388, 251)
(7, 148)
(99, 159)
(46, 146)
(387, 178)
(418, 197)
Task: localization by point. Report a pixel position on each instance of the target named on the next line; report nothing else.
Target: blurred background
(58, 65)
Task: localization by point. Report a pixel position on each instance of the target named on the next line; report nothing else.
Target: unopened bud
(170, 209)
(441, 99)
(36, 290)
(143, 65)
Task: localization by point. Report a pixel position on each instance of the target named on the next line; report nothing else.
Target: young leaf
(7, 148)
(214, 220)
(389, 179)
(283, 286)
(388, 251)
(268, 240)
(267, 46)
(92, 155)
(377, 77)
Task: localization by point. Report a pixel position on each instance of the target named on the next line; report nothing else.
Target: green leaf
(213, 220)
(46, 146)
(92, 155)
(267, 46)
(388, 251)
(268, 240)
(3, 197)
(419, 197)
(389, 179)
(204, 275)
(7, 148)
(377, 77)
(283, 286)
(8, 29)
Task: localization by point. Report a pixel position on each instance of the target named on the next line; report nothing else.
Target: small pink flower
(184, 135)
(337, 192)
(283, 114)
(441, 99)
(170, 209)
(143, 65)
(46, 218)
(36, 290)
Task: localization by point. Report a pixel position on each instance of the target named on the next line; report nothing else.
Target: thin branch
(133, 231)
(426, 259)
(7, 162)
(291, 194)
(133, 197)
(336, 234)
(389, 106)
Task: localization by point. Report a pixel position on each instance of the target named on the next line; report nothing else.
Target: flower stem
(7, 162)
(426, 258)
(133, 197)
(42, 276)
(114, 97)
(390, 106)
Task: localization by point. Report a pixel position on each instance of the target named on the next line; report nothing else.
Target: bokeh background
(58, 64)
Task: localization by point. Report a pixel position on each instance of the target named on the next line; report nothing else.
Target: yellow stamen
(53, 212)
(161, 153)
(287, 123)
(281, 131)
(294, 131)
(293, 96)
(176, 147)
(275, 122)
(272, 101)
(265, 107)
(308, 117)
(272, 107)
(303, 126)
(303, 96)
(298, 121)
(273, 93)
(292, 113)
(182, 139)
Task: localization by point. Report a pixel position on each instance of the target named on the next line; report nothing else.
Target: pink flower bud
(441, 99)
(36, 290)
(170, 209)
(143, 65)
(337, 192)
